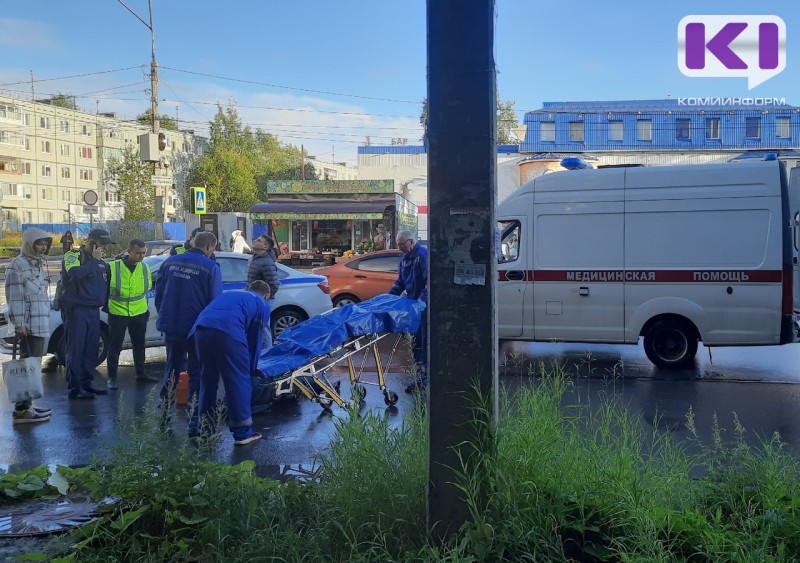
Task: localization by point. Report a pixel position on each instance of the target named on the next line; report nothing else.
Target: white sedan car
(302, 295)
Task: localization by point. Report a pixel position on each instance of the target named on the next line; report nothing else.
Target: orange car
(361, 277)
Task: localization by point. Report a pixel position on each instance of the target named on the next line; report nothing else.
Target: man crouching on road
(186, 284)
(228, 335)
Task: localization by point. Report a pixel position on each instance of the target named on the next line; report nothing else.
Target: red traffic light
(162, 141)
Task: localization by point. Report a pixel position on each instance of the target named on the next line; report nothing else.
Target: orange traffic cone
(182, 391)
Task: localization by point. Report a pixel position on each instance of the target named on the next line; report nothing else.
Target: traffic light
(162, 141)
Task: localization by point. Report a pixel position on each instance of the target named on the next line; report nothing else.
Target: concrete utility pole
(463, 264)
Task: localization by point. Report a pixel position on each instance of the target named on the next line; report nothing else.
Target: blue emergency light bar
(574, 163)
(770, 156)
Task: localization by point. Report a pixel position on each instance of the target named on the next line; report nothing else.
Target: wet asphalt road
(760, 385)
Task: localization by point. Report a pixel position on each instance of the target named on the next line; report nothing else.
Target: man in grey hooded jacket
(28, 295)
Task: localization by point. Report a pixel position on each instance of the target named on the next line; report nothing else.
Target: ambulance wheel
(390, 398)
(670, 343)
(325, 402)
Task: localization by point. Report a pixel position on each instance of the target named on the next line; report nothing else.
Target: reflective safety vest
(128, 295)
(180, 249)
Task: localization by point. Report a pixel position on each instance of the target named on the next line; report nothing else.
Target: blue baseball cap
(100, 236)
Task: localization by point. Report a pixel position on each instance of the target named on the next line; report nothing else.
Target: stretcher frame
(311, 379)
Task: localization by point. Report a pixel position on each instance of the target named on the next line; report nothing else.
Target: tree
(164, 121)
(64, 101)
(240, 162)
(131, 177)
(506, 120)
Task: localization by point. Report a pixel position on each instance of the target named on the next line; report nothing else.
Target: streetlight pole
(153, 104)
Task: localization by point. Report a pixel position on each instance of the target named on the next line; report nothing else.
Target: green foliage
(551, 482)
(131, 176)
(164, 121)
(26, 485)
(239, 162)
(64, 101)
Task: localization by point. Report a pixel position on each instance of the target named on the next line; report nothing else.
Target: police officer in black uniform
(86, 284)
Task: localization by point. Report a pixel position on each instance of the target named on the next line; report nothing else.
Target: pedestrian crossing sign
(199, 201)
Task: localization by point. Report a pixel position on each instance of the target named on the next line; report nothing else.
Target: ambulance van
(673, 254)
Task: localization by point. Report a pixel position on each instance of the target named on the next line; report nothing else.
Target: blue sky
(289, 60)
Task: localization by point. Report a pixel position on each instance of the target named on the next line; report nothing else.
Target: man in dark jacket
(86, 278)
(262, 267)
(186, 283)
(413, 280)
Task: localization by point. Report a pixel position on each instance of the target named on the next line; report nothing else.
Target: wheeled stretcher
(300, 361)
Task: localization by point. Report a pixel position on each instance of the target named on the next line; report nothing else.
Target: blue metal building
(681, 124)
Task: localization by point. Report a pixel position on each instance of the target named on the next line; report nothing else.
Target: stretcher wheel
(390, 398)
(325, 402)
(362, 391)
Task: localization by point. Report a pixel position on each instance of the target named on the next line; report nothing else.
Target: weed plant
(547, 484)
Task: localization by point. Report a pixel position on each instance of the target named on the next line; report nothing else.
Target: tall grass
(560, 484)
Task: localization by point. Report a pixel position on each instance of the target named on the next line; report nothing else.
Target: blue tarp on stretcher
(324, 333)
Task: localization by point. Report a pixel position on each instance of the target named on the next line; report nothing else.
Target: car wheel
(345, 299)
(284, 320)
(671, 343)
(61, 348)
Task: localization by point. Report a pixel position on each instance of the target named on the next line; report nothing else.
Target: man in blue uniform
(186, 283)
(228, 335)
(413, 279)
(86, 278)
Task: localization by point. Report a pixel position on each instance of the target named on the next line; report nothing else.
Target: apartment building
(51, 155)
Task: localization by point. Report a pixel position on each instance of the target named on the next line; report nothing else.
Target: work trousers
(180, 353)
(222, 357)
(137, 327)
(29, 347)
(82, 331)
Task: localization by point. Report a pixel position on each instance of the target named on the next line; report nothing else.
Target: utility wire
(72, 76)
(326, 92)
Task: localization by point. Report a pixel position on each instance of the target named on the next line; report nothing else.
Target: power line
(72, 76)
(325, 92)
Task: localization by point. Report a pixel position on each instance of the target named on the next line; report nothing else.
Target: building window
(63, 126)
(47, 194)
(64, 149)
(26, 119)
(46, 146)
(683, 129)
(46, 171)
(712, 128)
(27, 217)
(752, 128)
(615, 130)
(65, 196)
(65, 172)
(547, 131)
(86, 152)
(86, 129)
(112, 197)
(86, 174)
(783, 127)
(576, 131)
(26, 168)
(47, 216)
(44, 123)
(644, 130)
